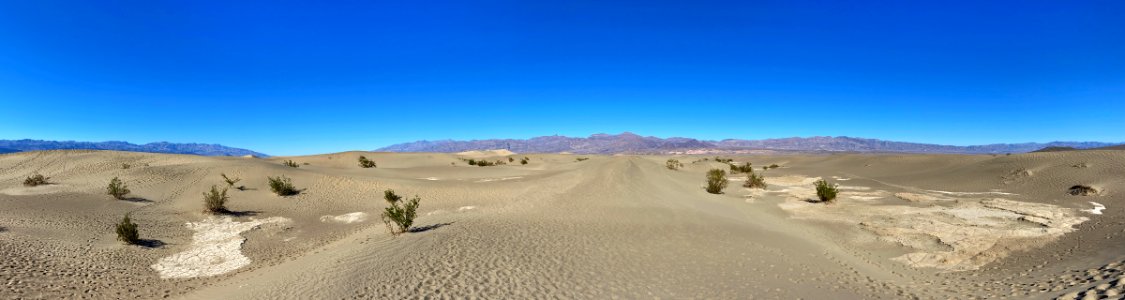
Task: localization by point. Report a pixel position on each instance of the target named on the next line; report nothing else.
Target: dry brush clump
(117, 189)
(399, 216)
(744, 168)
(581, 159)
(36, 180)
(282, 186)
(1082, 190)
(127, 231)
(215, 201)
(366, 163)
(755, 181)
(673, 164)
(716, 181)
(825, 191)
(525, 160)
(231, 181)
(291, 164)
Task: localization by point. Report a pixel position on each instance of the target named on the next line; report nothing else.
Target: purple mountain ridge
(628, 142)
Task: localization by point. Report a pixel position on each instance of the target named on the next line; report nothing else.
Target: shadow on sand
(430, 227)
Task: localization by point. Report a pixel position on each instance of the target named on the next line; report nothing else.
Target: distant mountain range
(631, 143)
(7, 146)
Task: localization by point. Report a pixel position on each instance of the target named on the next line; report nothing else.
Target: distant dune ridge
(158, 147)
(632, 143)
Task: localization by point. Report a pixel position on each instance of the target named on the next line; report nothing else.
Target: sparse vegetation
(399, 216)
(510, 159)
(774, 166)
(825, 191)
(744, 168)
(282, 186)
(483, 163)
(524, 161)
(230, 181)
(366, 163)
(755, 181)
(291, 164)
(581, 159)
(716, 181)
(215, 201)
(36, 180)
(126, 166)
(723, 160)
(673, 164)
(1082, 190)
(117, 189)
(127, 231)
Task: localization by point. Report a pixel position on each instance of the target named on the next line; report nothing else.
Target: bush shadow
(429, 227)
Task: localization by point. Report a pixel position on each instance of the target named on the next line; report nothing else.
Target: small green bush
(126, 166)
(282, 186)
(117, 189)
(523, 161)
(744, 168)
(510, 159)
(291, 164)
(724, 160)
(127, 231)
(716, 181)
(825, 191)
(581, 159)
(399, 216)
(366, 163)
(673, 164)
(215, 201)
(755, 181)
(485, 163)
(36, 180)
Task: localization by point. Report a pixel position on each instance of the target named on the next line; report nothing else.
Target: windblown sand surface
(904, 226)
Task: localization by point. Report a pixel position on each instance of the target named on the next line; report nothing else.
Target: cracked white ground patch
(216, 248)
(347, 218)
(499, 179)
(1097, 210)
(955, 231)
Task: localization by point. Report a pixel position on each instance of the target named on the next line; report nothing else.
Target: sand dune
(925, 226)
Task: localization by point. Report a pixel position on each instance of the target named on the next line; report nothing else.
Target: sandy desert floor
(905, 226)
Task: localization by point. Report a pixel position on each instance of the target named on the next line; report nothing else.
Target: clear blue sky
(288, 77)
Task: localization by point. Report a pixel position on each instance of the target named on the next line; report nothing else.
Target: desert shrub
(215, 201)
(744, 168)
(472, 162)
(282, 186)
(716, 181)
(127, 231)
(399, 216)
(485, 163)
(510, 159)
(673, 164)
(774, 166)
(291, 164)
(1082, 190)
(581, 159)
(117, 189)
(366, 163)
(230, 181)
(724, 160)
(126, 166)
(36, 180)
(755, 181)
(524, 161)
(825, 191)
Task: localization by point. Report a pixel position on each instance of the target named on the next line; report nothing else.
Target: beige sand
(925, 226)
